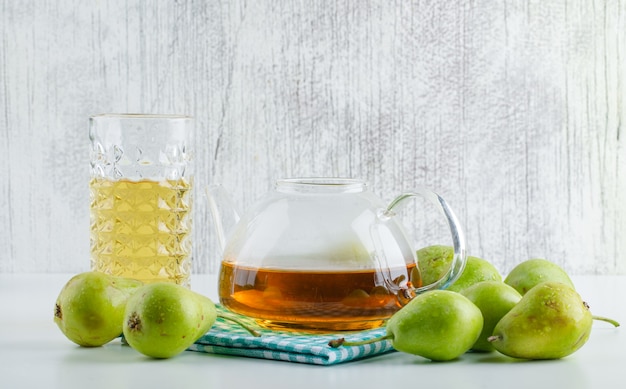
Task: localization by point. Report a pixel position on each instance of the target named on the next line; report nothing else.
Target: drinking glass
(141, 196)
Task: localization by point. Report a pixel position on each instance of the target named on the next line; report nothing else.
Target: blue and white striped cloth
(226, 337)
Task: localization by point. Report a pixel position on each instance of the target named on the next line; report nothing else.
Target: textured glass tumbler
(141, 196)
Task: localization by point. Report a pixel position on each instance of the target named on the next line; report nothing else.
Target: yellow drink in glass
(141, 229)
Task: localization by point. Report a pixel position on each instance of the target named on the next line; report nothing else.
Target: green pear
(163, 319)
(439, 325)
(532, 272)
(551, 321)
(494, 299)
(476, 270)
(90, 308)
(434, 261)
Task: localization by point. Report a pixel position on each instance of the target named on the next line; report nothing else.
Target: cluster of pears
(159, 320)
(533, 313)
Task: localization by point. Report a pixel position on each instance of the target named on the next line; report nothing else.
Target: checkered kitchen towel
(226, 337)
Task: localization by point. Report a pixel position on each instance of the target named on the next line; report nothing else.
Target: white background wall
(514, 111)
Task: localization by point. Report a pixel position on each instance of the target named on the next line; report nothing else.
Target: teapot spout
(223, 210)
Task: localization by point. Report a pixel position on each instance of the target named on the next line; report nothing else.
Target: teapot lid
(320, 185)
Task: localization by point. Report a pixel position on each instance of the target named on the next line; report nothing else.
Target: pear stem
(343, 342)
(606, 319)
(241, 324)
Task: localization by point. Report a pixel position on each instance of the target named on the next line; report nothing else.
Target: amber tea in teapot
(321, 254)
(341, 300)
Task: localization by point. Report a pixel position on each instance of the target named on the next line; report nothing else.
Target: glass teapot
(322, 254)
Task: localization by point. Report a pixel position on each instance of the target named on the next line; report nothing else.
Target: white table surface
(35, 354)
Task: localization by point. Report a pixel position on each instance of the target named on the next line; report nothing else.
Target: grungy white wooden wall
(513, 110)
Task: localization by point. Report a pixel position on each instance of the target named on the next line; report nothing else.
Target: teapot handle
(458, 238)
